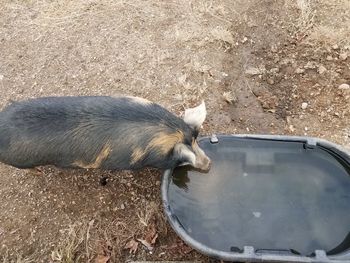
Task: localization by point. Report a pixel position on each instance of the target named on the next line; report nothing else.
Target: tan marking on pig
(139, 100)
(98, 161)
(165, 141)
(162, 141)
(136, 155)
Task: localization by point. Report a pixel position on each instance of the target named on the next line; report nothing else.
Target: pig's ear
(195, 117)
(184, 155)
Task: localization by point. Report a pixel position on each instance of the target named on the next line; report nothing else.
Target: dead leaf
(229, 97)
(179, 248)
(132, 245)
(150, 238)
(148, 244)
(153, 241)
(102, 259)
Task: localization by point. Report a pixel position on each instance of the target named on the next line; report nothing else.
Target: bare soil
(255, 63)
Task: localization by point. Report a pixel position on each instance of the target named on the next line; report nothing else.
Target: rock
(245, 39)
(335, 47)
(343, 56)
(344, 86)
(270, 81)
(321, 69)
(310, 65)
(274, 48)
(274, 70)
(299, 70)
(304, 105)
(122, 206)
(252, 71)
(178, 97)
(329, 58)
(258, 91)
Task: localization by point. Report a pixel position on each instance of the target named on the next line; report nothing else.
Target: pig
(100, 132)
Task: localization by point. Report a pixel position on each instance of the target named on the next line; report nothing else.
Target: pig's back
(73, 131)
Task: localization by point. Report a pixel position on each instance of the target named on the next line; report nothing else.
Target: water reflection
(181, 178)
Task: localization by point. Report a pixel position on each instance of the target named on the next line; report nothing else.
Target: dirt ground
(263, 67)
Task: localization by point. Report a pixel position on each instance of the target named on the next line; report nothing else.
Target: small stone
(274, 48)
(274, 70)
(270, 81)
(304, 105)
(178, 97)
(299, 70)
(1, 77)
(122, 206)
(252, 71)
(343, 56)
(310, 65)
(344, 86)
(321, 69)
(245, 39)
(329, 58)
(335, 47)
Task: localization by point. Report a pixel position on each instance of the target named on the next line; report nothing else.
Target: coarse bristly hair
(91, 132)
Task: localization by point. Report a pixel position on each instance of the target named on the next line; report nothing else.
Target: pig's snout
(202, 160)
(203, 163)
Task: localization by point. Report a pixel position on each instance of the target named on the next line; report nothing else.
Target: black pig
(99, 132)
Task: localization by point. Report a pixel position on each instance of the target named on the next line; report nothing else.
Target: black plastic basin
(266, 198)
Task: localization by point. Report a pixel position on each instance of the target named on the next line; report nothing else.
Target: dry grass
(74, 244)
(306, 18)
(18, 259)
(85, 242)
(330, 20)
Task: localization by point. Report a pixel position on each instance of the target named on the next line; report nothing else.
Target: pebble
(270, 81)
(274, 70)
(310, 65)
(344, 86)
(343, 56)
(178, 97)
(274, 48)
(122, 206)
(335, 47)
(299, 70)
(252, 71)
(329, 58)
(245, 39)
(304, 105)
(321, 69)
